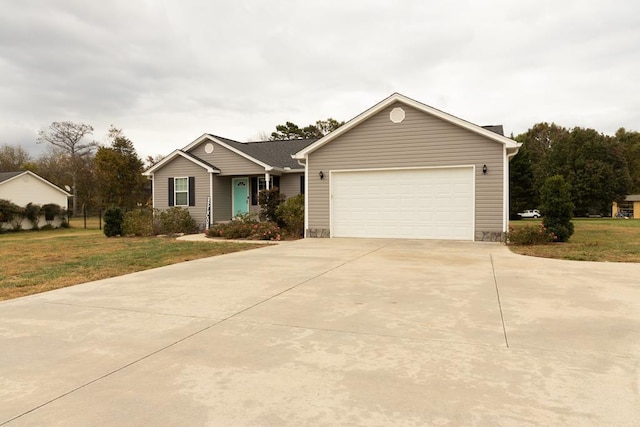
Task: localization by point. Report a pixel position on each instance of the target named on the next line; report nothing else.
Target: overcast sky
(167, 71)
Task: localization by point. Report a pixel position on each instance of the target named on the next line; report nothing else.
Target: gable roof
(10, 176)
(488, 132)
(276, 154)
(267, 154)
(179, 153)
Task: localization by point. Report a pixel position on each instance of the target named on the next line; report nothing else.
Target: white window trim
(175, 191)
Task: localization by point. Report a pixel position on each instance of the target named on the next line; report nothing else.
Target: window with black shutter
(254, 191)
(171, 193)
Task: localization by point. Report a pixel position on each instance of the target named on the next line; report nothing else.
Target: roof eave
(396, 97)
(170, 157)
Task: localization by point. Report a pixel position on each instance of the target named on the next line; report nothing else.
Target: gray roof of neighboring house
(274, 153)
(633, 198)
(495, 129)
(8, 175)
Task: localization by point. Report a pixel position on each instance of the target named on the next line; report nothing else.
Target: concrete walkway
(331, 332)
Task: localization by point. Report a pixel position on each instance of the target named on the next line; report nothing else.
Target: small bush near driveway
(595, 239)
(246, 227)
(530, 235)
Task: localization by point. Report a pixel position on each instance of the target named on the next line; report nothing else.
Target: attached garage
(402, 169)
(426, 203)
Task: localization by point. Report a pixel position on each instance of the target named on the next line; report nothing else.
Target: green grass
(39, 261)
(604, 240)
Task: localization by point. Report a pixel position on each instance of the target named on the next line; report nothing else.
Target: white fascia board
(41, 179)
(396, 97)
(170, 157)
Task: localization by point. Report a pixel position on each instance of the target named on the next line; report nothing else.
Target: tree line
(98, 176)
(599, 168)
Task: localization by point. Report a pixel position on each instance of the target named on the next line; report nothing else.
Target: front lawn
(39, 261)
(605, 240)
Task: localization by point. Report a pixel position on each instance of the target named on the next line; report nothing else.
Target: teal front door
(240, 203)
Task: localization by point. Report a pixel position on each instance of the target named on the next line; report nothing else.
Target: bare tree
(68, 137)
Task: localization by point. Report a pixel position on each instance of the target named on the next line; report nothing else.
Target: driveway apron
(332, 332)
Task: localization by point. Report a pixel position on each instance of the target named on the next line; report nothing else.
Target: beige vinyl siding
(290, 184)
(181, 167)
(221, 198)
(421, 140)
(228, 162)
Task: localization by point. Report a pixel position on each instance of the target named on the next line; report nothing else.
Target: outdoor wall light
(484, 169)
(321, 175)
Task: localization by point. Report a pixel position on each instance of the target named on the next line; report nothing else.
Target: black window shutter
(254, 191)
(276, 181)
(192, 191)
(301, 184)
(171, 203)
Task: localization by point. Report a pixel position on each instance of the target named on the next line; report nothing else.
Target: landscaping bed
(603, 240)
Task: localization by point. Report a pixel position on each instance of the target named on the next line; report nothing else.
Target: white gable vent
(397, 115)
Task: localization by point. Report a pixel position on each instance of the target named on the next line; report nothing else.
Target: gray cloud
(168, 71)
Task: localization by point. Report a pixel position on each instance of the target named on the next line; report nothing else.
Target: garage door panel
(416, 203)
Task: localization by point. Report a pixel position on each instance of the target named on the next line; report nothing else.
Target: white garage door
(408, 203)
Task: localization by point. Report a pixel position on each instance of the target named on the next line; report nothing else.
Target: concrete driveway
(332, 332)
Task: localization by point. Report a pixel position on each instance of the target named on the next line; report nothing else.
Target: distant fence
(87, 218)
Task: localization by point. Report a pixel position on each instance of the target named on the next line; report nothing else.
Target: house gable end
(181, 154)
(511, 145)
(11, 176)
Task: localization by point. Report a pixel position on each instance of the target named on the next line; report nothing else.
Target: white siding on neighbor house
(180, 168)
(26, 189)
(228, 162)
(421, 140)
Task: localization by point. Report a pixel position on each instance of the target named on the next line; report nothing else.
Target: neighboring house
(403, 169)
(630, 208)
(24, 187)
(227, 172)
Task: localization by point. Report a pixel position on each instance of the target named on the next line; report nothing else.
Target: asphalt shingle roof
(8, 175)
(495, 129)
(273, 153)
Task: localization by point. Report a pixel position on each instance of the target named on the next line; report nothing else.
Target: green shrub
(291, 215)
(113, 218)
(530, 235)
(9, 210)
(47, 227)
(51, 211)
(240, 227)
(32, 213)
(138, 222)
(176, 220)
(246, 227)
(266, 231)
(269, 201)
(557, 208)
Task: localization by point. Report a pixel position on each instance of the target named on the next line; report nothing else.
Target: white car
(530, 213)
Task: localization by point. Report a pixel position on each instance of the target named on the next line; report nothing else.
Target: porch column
(267, 178)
